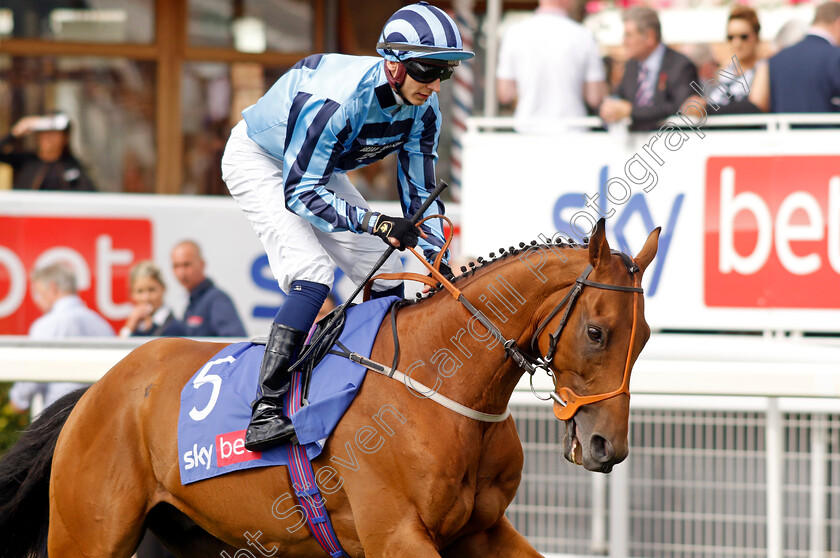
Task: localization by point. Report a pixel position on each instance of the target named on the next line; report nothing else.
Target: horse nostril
(601, 449)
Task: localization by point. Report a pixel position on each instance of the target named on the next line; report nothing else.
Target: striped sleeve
(416, 176)
(316, 133)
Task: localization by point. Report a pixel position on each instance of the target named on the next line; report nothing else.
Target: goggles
(427, 73)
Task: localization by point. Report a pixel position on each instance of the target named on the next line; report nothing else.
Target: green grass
(12, 423)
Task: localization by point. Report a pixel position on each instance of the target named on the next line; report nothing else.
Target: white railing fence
(706, 476)
(774, 123)
(735, 450)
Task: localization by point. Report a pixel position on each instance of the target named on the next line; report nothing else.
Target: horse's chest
(472, 510)
(482, 496)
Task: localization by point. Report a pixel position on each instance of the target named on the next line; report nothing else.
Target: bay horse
(401, 475)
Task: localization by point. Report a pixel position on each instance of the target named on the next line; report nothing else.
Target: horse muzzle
(594, 452)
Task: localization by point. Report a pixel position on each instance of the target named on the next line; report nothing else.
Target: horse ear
(599, 249)
(648, 251)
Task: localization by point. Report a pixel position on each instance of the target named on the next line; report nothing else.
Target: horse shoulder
(481, 483)
(499, 474)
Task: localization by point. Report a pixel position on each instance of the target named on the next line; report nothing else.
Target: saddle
(324, 340)
(216, 401)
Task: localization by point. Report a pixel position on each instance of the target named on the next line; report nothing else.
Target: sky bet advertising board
(100, 236)
(750, 219)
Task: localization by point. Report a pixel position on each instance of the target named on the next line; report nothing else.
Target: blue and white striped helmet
(421, 31)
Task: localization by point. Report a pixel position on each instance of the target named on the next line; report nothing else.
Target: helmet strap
(397, 79)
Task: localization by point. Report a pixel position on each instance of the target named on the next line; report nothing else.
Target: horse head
(601, 340)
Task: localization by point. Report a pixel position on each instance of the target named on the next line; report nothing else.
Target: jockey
(286, 162)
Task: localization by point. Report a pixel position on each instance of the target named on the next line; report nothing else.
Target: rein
(566, 401)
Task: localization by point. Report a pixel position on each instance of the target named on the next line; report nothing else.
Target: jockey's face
(415, 92)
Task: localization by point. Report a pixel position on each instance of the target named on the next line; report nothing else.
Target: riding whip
(339, 312)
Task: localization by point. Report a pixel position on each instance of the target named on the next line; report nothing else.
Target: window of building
(213, 96)
(111, 105)
(252, 25)
(95, 21)
(152, 86)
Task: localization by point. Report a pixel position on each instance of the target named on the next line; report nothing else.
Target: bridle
(566, 401)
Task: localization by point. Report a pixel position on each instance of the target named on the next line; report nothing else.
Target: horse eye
(594, 333)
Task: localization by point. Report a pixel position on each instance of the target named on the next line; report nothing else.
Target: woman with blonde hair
(150, 316)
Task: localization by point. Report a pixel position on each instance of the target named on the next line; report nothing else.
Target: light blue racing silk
(334, 113)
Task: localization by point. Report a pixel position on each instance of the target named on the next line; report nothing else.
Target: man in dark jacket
(657, 79)
(804, 77)
(52, 166)
(210, 312)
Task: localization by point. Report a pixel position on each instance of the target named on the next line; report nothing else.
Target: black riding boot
(269, 426)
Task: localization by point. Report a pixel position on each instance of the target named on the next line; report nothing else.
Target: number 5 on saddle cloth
(216, 408)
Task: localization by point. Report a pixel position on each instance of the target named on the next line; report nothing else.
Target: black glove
(396, 227)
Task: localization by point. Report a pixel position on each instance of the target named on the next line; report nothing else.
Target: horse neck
(515, 293)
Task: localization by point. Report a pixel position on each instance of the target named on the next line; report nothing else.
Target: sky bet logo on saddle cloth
(772, 232)
(216, 402)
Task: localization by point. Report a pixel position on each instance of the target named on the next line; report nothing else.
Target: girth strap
(304, 482)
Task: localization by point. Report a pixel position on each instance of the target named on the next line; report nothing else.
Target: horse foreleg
(68, 538)
(501, 540)
(383, 539)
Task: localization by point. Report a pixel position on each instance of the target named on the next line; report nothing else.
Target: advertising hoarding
(750, 219)
(102, 235)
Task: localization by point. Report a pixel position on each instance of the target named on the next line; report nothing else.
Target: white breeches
(296, 249)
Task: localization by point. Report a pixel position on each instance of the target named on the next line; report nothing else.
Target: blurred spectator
(703, 58)
(806, 76)
(736, 79)
(550, 65)
(53, 166)
(65, 315)
(614, 69)
(789, 34)
(150, 317)
(656, 79)
(203, 158)
(210, 312)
